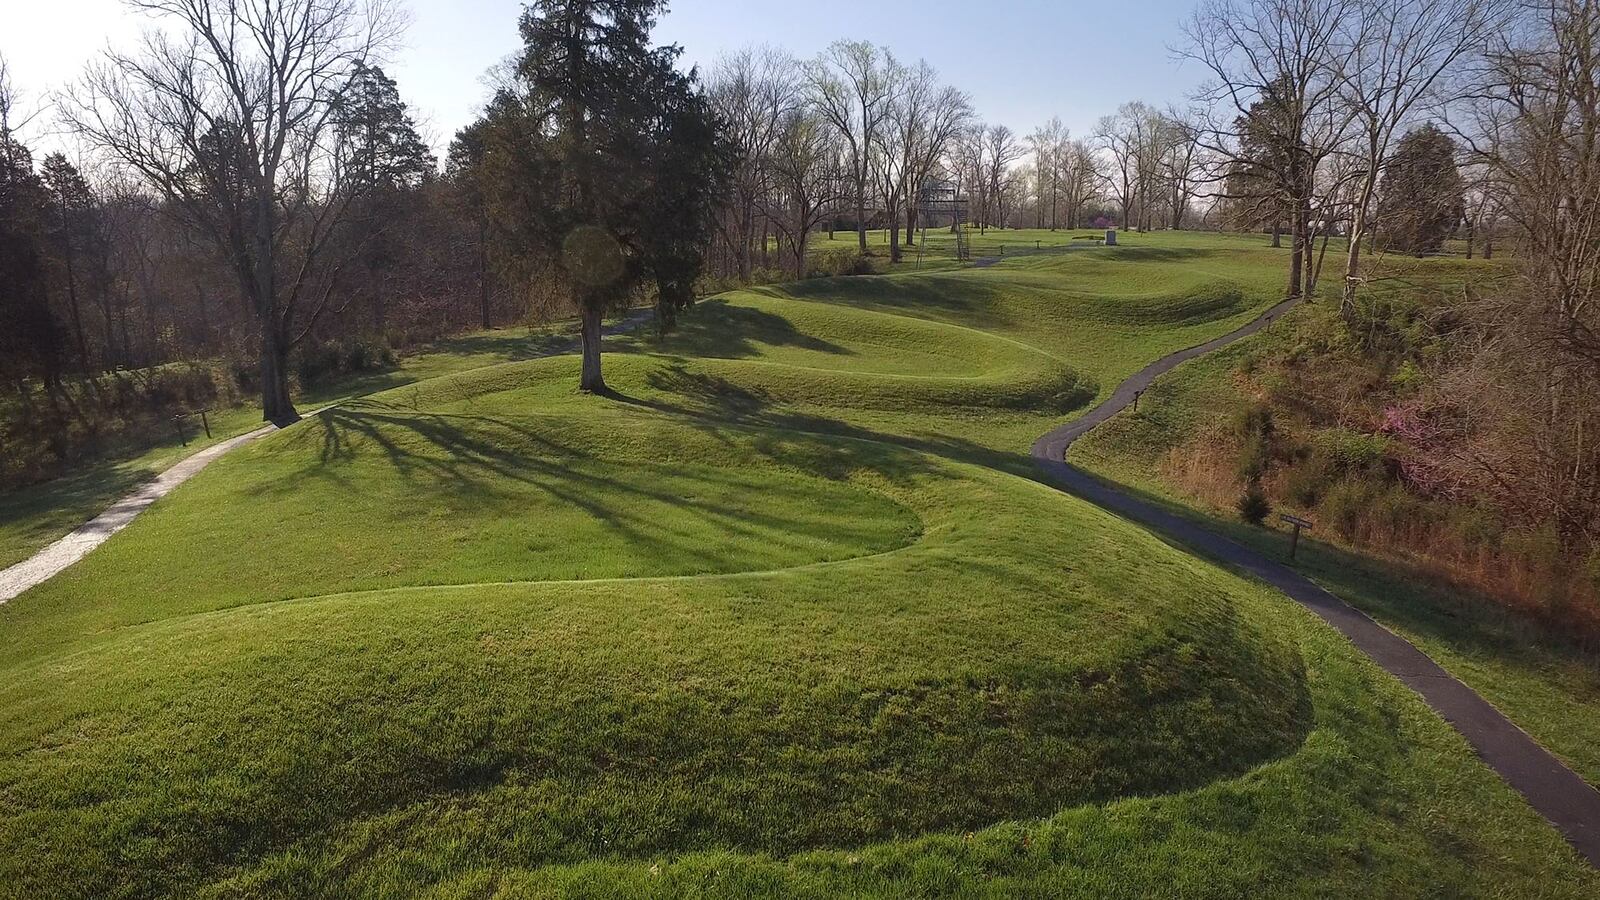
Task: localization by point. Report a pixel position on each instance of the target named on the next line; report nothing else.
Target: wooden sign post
(1298, 523)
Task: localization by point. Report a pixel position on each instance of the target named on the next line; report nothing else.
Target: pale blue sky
(1022, 61)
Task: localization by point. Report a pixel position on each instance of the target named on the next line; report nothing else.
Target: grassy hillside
(33, 516)
(787, 617)
(1548, 686)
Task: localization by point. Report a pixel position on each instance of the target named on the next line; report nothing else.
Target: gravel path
(44, 565)
(1555, 791)
(91, 534)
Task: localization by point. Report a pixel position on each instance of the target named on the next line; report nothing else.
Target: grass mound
(962, 680)
(950, 685)
(775, 619)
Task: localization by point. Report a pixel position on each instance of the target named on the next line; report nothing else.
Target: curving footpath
(65, 551)
(1555, 791)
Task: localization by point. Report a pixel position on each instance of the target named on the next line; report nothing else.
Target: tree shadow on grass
(718, 329)
(490, 460)
(712, 403)
(503, 347)
(1159, 254)
(942, 296)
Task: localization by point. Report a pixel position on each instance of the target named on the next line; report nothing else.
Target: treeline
(857, 139)
(1399, 123)
(261, 240)
(120, 305)
(251, 204)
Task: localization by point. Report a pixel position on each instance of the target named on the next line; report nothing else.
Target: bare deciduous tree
(806, 181)
(228, 118)
(931, 117)
(1001, 149)
(753, 92)
(1272, 67)
(1180, 161)
(850, 85)
(1394, 62)
(1125, 138)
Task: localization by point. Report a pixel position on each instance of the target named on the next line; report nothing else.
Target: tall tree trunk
(1277, 233)
(483, 271)
(591, 380)
(747, 229)
(127, 338)
(800, 251)
(861, 221)
(205, 311)
(1358, 228)
(276, 407)
(1297, 254)
(261, 288)
(112, 357)
(1322, 256)
(1308, 248)
(77, 316)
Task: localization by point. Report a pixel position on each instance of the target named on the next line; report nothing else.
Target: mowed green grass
(779, 619)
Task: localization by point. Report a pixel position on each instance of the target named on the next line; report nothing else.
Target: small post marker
(206, 423)
(1136, 396)
(1294, 539)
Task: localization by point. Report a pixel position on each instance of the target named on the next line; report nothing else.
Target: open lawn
(787, 616)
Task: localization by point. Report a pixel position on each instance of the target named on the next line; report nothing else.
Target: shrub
(1253, 506)
(1407, 376)
(1254, 427)
(1349, 451)
(246, 374)
(836, 261)
(1395, 509)
(1345, 505)
(709, 285)
(1305, 482)
(104, 414)
(317, 360)
(1476, 526)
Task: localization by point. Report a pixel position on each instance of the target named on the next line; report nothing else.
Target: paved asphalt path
(1565, 799)
(75, 546)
